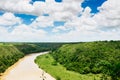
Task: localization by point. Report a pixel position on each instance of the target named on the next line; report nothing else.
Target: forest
(100, 57)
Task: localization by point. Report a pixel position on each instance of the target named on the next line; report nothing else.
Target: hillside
(91, 57)
(9, 54)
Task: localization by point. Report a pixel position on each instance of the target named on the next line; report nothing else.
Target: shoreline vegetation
(59, 72)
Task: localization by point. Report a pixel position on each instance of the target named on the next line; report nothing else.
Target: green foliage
(60, 72)
(54, 63)
(91, 57)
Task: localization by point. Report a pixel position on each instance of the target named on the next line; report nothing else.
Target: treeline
(102, 57)
(12, 52)
(28, 48)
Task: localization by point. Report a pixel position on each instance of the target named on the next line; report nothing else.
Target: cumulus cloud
(13, 29)
(24, 32)
(42, 22)
(38, 8)
(8, 19)
(18, 6)
(59, 28)
(109, 15)
(104, 25)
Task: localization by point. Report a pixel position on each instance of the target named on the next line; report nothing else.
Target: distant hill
(91, 57)
(28, 48)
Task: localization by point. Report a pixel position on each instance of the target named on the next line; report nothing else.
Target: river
(26, 69)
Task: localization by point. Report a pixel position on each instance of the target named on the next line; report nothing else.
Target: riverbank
(60, 72)
(26, 69)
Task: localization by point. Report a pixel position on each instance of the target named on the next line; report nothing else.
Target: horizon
(62, 42)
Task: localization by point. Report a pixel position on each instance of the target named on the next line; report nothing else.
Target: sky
(59, 20)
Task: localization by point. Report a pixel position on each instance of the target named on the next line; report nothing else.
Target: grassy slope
(9, 54)
(8, 50)
(47, 63)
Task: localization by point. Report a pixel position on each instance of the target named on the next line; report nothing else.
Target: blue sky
(93, 4)
(59, 20)
(27, 19)
(44, 0)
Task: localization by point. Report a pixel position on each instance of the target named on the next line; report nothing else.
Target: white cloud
(59, 28)
(8, 19)
(24, 32)
(38, 8)
(18, 6)
(109, 15)
(104, 25)
(3, 33)
(12, 29)
(42, 22)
